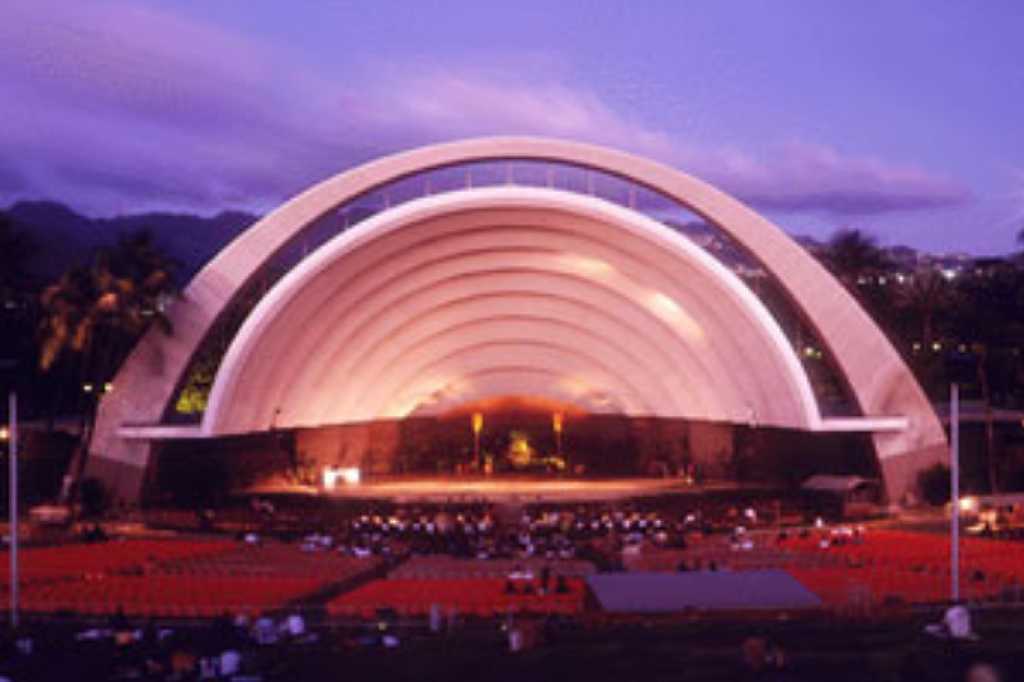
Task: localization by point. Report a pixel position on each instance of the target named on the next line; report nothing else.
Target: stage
(505, 489)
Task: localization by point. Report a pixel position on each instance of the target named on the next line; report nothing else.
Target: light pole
(12, 495)
(954, 491)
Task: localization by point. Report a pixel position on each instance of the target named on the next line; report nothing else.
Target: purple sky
(905, 119)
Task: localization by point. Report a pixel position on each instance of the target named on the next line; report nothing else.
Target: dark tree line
(942, 318)
(960, 323)
(72, 334)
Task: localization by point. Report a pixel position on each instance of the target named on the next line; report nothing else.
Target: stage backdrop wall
(601, 445)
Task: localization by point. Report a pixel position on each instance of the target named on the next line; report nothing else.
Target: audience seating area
(204, 577)
(167, 595)
(483, 597)
(875, 567)
(273, 560)
(442, 567)
(888, 565)
(470, 587)
(77, 560)
(178, 577)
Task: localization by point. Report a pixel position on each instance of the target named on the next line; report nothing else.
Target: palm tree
(856, 260)
(854, 257)
(922, 302)
(115, 299)
(93, 315)
(924, 296)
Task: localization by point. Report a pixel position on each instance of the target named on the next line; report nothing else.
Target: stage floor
(441, 489)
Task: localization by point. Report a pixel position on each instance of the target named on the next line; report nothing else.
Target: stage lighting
(968, 504)
(347, 475)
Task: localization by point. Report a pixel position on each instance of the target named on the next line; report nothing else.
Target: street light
(11, 437)
(954, 490)
(12, 494)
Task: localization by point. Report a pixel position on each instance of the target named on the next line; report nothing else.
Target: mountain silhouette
(62, 237)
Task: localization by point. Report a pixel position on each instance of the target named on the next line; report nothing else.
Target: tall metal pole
(12, 495)
(954, 487)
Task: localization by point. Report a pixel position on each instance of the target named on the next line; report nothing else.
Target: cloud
(447, 101)
(1015, 199)
(792, 176)
(808, 177)
(114, 107)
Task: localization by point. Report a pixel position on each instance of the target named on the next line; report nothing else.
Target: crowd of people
(286, 648)
(597, 532)
(225, 648)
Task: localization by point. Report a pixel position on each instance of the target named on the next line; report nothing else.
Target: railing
(834, 397)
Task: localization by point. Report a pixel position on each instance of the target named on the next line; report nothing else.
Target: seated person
(294, 625)
(263, 631)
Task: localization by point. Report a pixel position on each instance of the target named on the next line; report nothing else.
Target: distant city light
(936, 346)
(5, 433)
(87, 388)
(108, 387)
(949, 273)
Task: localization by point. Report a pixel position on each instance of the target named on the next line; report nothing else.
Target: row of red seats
(162, 595)
(477, 596)
(445, 567)
(39, 563)
(884, 550)
(908, 545)
(277, 560)
(914, 567)
(838, 587)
